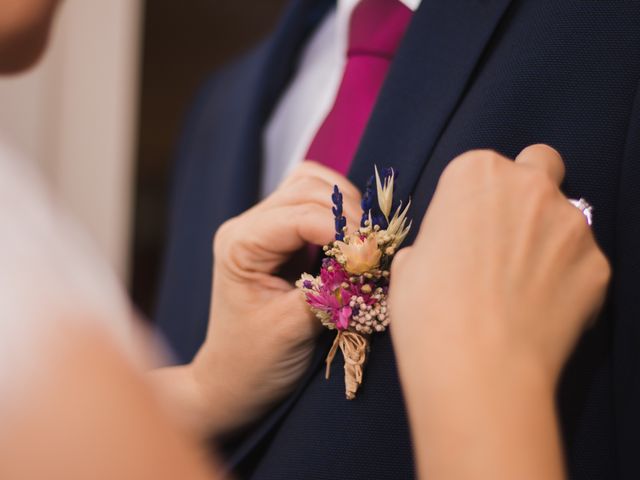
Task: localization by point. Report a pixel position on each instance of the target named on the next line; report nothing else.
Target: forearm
(203, 397)
(88, 413)
(486, 421)
(183, 397)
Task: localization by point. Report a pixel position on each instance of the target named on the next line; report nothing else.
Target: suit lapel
(276, 61)
(433, 66)
(275, 64)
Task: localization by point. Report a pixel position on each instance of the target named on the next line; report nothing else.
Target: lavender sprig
(369, 201)
(340, 220)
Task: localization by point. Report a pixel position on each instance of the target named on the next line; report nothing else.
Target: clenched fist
(261, 331)
(489, 302)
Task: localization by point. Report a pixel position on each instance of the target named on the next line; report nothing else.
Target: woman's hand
(261, 332)
(487, 306)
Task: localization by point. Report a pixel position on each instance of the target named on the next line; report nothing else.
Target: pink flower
(342, 317)
(324, 300)
(332, 274)
(330, 296)
(335, 303)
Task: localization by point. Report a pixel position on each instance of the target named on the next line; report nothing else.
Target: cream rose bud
(360, 255)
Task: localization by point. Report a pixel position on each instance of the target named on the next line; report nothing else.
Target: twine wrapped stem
(354, 349)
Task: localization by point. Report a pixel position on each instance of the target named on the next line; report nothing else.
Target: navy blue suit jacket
(500, 74)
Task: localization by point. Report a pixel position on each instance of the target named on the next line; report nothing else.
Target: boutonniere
(350, 293)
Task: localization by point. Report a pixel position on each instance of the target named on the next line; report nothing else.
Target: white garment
(310, 96)
(51, 280)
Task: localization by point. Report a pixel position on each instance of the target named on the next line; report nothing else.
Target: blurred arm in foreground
(74, 402)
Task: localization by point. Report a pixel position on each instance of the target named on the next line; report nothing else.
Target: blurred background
(102, 113)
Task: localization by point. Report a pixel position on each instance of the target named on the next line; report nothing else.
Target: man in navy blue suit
(467, 74)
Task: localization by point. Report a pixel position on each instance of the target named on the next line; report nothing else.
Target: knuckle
(303, 210)
(473, 163)
(601, 269)
(301, 189)
(458, 167)
(223, 235)
(304, 169)
(349, 188)
(540, 185)
(576, 223)
(298, 173)
(491, 157)
(307, 166)
(485, 154)
(540, 148)
(312, 168)
(306, 184)
(572, 227)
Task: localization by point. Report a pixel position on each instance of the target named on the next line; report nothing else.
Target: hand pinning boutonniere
(350, 294)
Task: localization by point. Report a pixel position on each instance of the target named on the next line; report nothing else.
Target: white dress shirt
(310, 96)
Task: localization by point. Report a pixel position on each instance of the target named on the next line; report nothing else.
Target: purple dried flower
(340, 220)
(369, 201)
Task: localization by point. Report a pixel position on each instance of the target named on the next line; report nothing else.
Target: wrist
(226, 402)
(489, 408)
(182, 396)
(199, 397)
(465, 364)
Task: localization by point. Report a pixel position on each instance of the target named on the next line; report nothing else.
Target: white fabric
(50, 278)
(308, 99)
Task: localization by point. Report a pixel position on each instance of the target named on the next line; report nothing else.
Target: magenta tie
(375, 31)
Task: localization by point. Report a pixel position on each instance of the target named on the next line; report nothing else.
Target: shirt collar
(348, 5)
(412, 4)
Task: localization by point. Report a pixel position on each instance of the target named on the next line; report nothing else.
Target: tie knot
(377, 26)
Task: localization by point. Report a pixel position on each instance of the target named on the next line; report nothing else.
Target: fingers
(544, 158)
(310, 189)
(292, 227)
(331, 177)
(263, 241)
(298, 213)
(314, 183)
